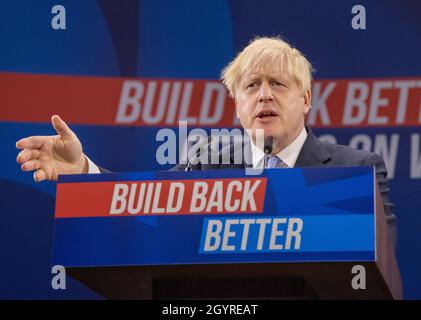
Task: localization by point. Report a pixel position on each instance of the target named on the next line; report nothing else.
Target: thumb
(61, 127)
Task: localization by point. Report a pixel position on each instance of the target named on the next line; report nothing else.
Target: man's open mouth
(266, 114)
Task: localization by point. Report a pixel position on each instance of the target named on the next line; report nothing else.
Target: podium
(300, 233)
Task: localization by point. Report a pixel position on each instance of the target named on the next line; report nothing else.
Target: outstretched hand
(49, 156)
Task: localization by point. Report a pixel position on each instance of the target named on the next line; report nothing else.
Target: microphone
(197, 155)
(268, 145)
(267, 149)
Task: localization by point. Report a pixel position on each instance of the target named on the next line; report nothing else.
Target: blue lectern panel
(307, 214)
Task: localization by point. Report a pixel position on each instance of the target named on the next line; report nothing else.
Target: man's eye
(252, 85)
(276, 84)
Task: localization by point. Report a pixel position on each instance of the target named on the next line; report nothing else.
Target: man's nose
(265, 93)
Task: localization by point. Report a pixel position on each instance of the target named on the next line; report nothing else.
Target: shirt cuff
(92, 167)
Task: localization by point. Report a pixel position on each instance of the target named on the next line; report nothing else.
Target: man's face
(271, 101)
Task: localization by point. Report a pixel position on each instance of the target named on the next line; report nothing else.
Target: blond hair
(268, 54)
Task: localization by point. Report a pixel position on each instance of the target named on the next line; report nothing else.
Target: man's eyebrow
(252, 77)
(270, 77)
(278, 78)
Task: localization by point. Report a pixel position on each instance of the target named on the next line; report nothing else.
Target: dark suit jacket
(318, 153)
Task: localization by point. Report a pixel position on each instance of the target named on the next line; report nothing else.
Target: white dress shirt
(289, 155)
(92, 167)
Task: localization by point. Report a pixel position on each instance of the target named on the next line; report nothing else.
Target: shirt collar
(289, 154)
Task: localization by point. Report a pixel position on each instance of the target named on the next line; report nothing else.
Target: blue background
(184, 39)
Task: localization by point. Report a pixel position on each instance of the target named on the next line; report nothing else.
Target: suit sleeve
(103, 170)
(383, 184)
(179, 167)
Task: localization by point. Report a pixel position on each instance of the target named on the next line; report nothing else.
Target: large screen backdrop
(122, 70)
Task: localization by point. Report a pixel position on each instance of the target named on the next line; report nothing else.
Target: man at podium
(270, 82)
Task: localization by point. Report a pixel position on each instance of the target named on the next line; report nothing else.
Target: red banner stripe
(163, 102)
(165, 197)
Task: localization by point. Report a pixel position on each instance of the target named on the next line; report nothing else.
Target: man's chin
(268, 130)
(259, 134)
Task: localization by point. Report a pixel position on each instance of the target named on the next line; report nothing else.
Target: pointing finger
(31, 142)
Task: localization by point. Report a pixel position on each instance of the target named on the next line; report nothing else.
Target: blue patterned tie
(275, 162)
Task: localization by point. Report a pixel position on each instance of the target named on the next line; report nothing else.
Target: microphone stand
(197, 155)
(267, 149)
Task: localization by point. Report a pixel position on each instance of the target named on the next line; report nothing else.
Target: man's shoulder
(346, 155)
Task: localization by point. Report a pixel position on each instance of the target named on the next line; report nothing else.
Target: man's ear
(307, 101)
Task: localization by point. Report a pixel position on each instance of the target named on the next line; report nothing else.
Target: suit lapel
(313, 152)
